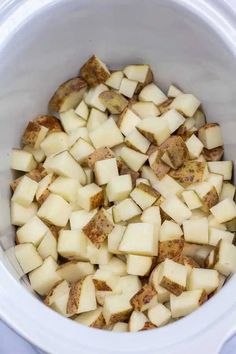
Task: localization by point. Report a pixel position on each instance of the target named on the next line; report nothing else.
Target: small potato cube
(228, 191)
(72, 244)
(152, 93)
(200, 119)
(145, 109)
(186, 103)
(58, 290)
(196, 231)
(80, 218)
(215, 235)
(159, 315)
(119, 188)
(115, 266)
(20, 214)
(174, 152)
(127, 209)
(191, 199)
(73, 271)
(215, 224)
(34, 134)
(33, 231)
(113, 101)
(99, 136)
(160, 169)
(49, 121)
(95, 119)
(190, 172)
(173, 91)
(116, 308)
(187, 302)
(82, 110)
(128, 285)
(38, 154)
(105, 280)
(163, 295)
(132, 158)
(171, 249)
(48, 246)
(79, 133)
(54, 143)
(81, 150)
(155, 129)
(174, 119)
(139, 239)
(25, 191)
(43, 278)
(92, 319)
(138, 265)
(144, 298)
(225, 258)
(168, 187)
(210, 135)
(128, 87)
(99, 154)
(152, 215)
(224, 168)
(114, 238)
(65, 187)
(105, 170)
(207, 194)
(216, 180)
(194, 146)
(94, 71)
(206, 279)
(92, 97)
(98, 228)
(89, 175)
(98, 255)
(28, 257)
(90, 197)
(138, 72)
(22, 161)
(224, 211)
(124, 170)
(173, 277)
(138, 322)
(42, 190)
(176, 209)
(144, 195)
(215, 154)
(137, 141)
(70, 120)
(127, 121)
(55, 210)
(115, 79)
(170, 231)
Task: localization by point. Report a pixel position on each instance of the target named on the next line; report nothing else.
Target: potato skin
(210, 199)
(97, 200)
(215, 154)
(149, 190)
(120, 317)
(190, 172)
(101, 285)
(49, 121)
(93, 72)
(74, 297)
(99, 322)
(114, 102)
(30, 134)
(176, 150)
(125, 170)
(159, 167)
(50, 293)
(99, 154)
(34, 175)
(165, 106)
(170, 249)
(148, 325)
(171, 286)
(142, 297)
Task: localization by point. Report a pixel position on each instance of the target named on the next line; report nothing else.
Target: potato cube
(207, 194)
(192, 199)
(215, 154)
(55, 210)
(224, 211)
(99, 154)
(137, 141)
(168, 187)
(224, 168)
(28, 257)
(115, 266)
(132, 158)
(190, 172)
(33, 231)
(210, 135)
(173, 277)
(216, 180)
(70, 121)
(187, 302)
(128, 121)
(128, 285)
(25, 191)
(51, 122)
(90, 197)
(105, 170)
(206, 279)
(43, 278)
(228, 191)
(92, 97)
(34, 134)
(225, 258)
(152, 215)
(115, 79)
(79, 133)
(186, 103)
(215, 224)
(128, 87)
(173, 91)
(94, 71)
(105, 280)
(144, 195)
(155, 129)
(98, 255)
(194, 146)
(196, 231)
(42, 190)
(48, 246)
(92, 319)
(20, 214)
(80, 218)
(138, 322)
(138, 265)
(139, 239)
(114, 238)
(65, 187)
(38, 154)
(170, 231)
(171, 249)
(119, 188)
(163, 295)
(81, 150)
(54, 143)
(113, 101)
(138, 72)
(98, 228)
(215, 235)
(142, 180)
(159, 315)
(200, 119)
(82, 110)
(152, 93)
(116, 308)
(145, 109)
(22, 160)
(127, 209)
(72, 244)
(100, 137)
(95, 119)
(176, 209)
(58, 290)
(89, 175)
(174, 119)
(63, 164)
(160, 169)
(145, 298)
(73, 271)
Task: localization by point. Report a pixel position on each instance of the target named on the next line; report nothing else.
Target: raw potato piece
(168, 187)
(196, 231)
(102, 153)
(173, 91)
(96, 118)
(28, 257)
(163, 295)
(187, 302)
(81, 150)
(90, 197)
(55, 210)
(127, 121)
(120, 327)
(119, 188)
(191, 199)
(138, 265)
(43, 278)
(225, 258)
(170, 231)
(114, 102)
(215, 235)
(144, 195)
(20, 214)
(159, 315)
(152, 93)
(117, 308)
(145, 109)
(65, 187)
(174, 151)
(138, 72)
(144, 298)
(190, 172)
(25, 192)
(124, 170)
(22, 161)
(71, 121)
(170, 249)
(133, 159)
(82, 110)
(98, 228)
(137, 141)
(48, 246)
(155, 129)
(58, 290)
(216, 180)
(105, 171)
(72, 244)
(68, 95)
(215, 154)
(73, 271)
(158, 166)
(43, 188)
(92, 97)
(115, 266)
(99, 136)
(228, 191)
(50, 122)
(34, 134)
(115, 79)
(206, 279)
(33, 231)
(92, 319)
(174, 119)
(224, 211)
(176, 209)
(194, 146)
(114, 238)
(105, 280)
(173, 277)
(210, 135)
(138, 322)
(55, 143)
(82, 296)
(127, 209)
(224, 168)
(186, 103)
(128, 87)
(94, 71)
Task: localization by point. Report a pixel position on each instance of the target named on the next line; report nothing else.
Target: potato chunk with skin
(170, 231)
(52, 123)
(138, 322)
(127, 209)
(99, 154)
(196, 231)
(194, 146)
(99, 136)
(28, 257)
(144, 298)
(116, 308)
(127, 121)
(124, 170)
(152, 93)
(119, 188)
(98, 228)
(90, 197)
(80, 218)
(68, 95)
(174, 119)
(191, 199)
(92, 97)
(190, 172)
(73, 271)
(55, 210)
(145, 109)
(128, 87)
(174, 151)
(173, 277)
(186, 103)
(34, 134)
(22, 161)
(81, 150)
(114, 238)
(210, 135)
(137, 141)
(158, 166)
(92, 319)
(138, 72)
(224, 211)
(225, 258)
(215, 154)
(163, 295)
(170, 249)
(94, 71)
(206, 279)
(134, 159)
(176, 209)
(159, 315)
(25, 191)
(138, 265)
(144, 195)
(115, 79)
(105, 280)
(187, 302)
(155, 129)
(113, 101)
(105, 170)
(224, 168)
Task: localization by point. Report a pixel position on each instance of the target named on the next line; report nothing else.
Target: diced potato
(171, 249)
(145, 298)
(168, 187)
(174, 152)
(155, 129)
(187, 302)
(113, 101)
(190, 172)
(82, 110)
(124, 170)
(128, 285)
(98, 255)
(214, 223)
(34, 135)
(38, 154)
(216, 180)
(105, 170)
(137, 322)
(159, 315)
(48, 246)
(224, 211)
(174, 119)
(194, 146)
(132, 158)
(92, 98)
(25, 191)
(95, 119)
(90, 197)
(43, 278)
(81, 150)
(33, 231)
(20, 214)
(54, 143)
(142, 180)
(127, 209)
(138, 72)
(186, 103)
(79, 133)
(99, 154)
(128, 121)
(170, 231)
(192, 199)
(116, 308)
(105, 280)
(65, 187)
(173, 91)
(115, 266)
(137, 141)
(72, 244)
(55, 210)
(80, 218)
(115, 79)
(152, 93)
(215, 154)
(158, 166)
(94, 71)
(223, 168)
(120, 327)
(200, 119)
(215, 235)
(100, 137)
(206, 279)
(196, 231)
(60, 289)
(92, 319)
(70, 120)
(173, 277)
(210, 135)
(119, 188)
(225, 258)
(176, 209)
(28, 257)
(163, 295)
(145, 109)
(128, 87)
(114, 238)
(49, 121)
(89, 175)
(228, 191)
(138, 265)
(73, 271)
(22, 160)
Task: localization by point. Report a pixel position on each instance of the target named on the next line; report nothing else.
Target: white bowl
(43, 43)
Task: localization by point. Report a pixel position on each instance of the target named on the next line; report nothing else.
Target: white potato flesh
(20, 214)
(105, 171)
(48, 246)
(28, 257)
(152, 93)
(82, 110)
(194, 146)
(92, 97)
(168, 187)
(25, 192)
(127, 209)
(191, 199)
(137, 72)
(196, 231)
(224, 168)
(70, 120)
(155, 129)
(226, 258)
(72, 244)
(176, 209)
(128, 87)
(95, 119)
(22, 161)
(99, 136)
(55, 143)
(128, 122)
(210, 135)
(186, 103)
(114, 238)
(174, 119)
(137, 141)
(119, 188)
(170, 231)
(138, 265)
(224, 211)
(114, 81)
(228, 191)
(145, 109)
(81, 150)
(33, 231)
(185, 303)
(215, 235)
(159, 315)
(80, 218)
(65, 187)
(173, 91)
(133, 159)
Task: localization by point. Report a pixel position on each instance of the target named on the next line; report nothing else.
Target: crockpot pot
(43, 43)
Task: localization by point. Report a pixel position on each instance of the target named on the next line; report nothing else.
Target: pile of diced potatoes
(124, 209)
